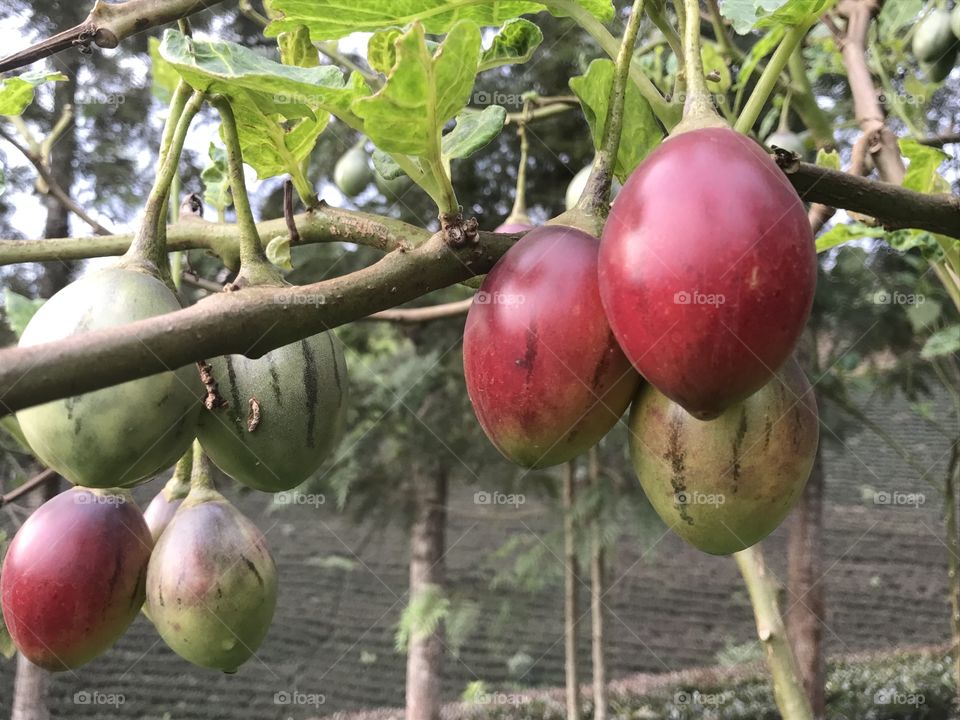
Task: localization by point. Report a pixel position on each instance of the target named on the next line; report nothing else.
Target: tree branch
(424, 314)
(250, 321)
(107, 25)
(34, 482)
(939, 141)
(893, 206)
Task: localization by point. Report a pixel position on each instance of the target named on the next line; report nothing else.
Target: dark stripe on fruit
(313, 392)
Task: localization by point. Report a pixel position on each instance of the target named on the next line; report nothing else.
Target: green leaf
(216, 184)
(641, 132)
(942, 342)
(840, 234)
(473, 131)
(906, 240)
(382, 50)
(514, 43)
(922, 174)
(923, 313)
(423, 92)
(422, 616)
(7, 648)
(334, 19)
(795, 12)
(385, 166)
(296, 48)
(714, 61)
(17, 92)
(19, 310)
(278, 252)
(746, 15)
(164, 78)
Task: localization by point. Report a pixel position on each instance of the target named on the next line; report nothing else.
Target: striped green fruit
(285, 413)
(123, 434)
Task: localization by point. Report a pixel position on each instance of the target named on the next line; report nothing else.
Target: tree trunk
(953, 559)
(571, 607)
(31, 686)
(805, 612)
(597, 589)
(787, 685)
(427, 540)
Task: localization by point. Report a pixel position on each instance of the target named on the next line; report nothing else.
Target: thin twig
(29, 485)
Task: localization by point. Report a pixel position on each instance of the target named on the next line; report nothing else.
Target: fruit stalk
(147, 249)
(787, 687)
(200, 478)
(770, 76)
(255, 269)
(518, 214)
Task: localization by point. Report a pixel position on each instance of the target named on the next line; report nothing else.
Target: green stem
(518, 214)
(255, 269)
(720, 30)
(173, 202)
(698, 102)
(670, 35)
(201, 478)
(770, 77)
(665, 112)
(781, 662)
(805, 104)
(148, 251)
(595, 200)
(892, 95)
(178, 485)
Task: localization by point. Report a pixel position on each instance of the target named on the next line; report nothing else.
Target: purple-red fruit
(707, 269)
(543, 370)
(74, 577)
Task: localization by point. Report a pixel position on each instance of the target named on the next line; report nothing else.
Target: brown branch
(819, 213)
(107, 26)
(940, 140)
(423, 314)
(288, 212)
(53, 187)
(893, 206)
(31, 484)
(250, 321)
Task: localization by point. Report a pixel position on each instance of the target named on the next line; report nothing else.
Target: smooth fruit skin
(352, 172)
(725, 484)
(544, 373)
(74, 577)
(301, 390)
(159, 513)
(933, 37)
(211, 584)
(941, 69)
(123, 434)
(955, 21)
(707, 269)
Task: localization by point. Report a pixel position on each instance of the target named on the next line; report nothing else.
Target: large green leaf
(333, 19)
(514, 43)
(164, 78)
(840, 234)
(473, 131)
(17, 92)
(641, 132)
(296, 48)
(942, 342)
(423, 92)
(745, 15)
(382, 49)
(922, 172)
(216, 184)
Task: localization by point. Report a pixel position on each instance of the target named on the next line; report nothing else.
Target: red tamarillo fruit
(707, 269)
(543, 370)
(73, 577)
(727, 483)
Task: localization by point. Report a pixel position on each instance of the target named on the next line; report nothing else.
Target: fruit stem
(518, 214)
(255, 269)
(201, 479)
(148, 249)
(178, 485)
(655, 12)
(595, 200)
(770, 76)
(698, 103)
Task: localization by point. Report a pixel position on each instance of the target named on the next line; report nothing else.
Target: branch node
(456, 231)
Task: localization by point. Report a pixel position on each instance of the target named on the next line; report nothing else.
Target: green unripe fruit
(725, 484)
(123, 434)
(285, 413)
(938, 71)
(955, 21)
(352, 172)
(579, 183)
(933, 37)
(211, 583)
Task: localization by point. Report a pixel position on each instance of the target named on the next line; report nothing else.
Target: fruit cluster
(84, 564)
(690, 308)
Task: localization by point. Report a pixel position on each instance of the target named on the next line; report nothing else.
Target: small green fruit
(300, 396)
(727, 483)
(123, 434)
(955, 21)
(938, 71)
(352, 172)
(933, 37)
(211, 583)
